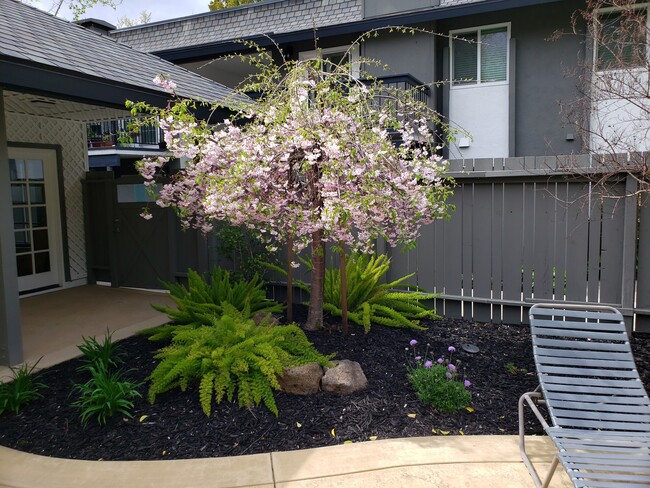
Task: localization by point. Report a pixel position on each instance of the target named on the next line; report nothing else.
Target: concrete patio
(54, 323)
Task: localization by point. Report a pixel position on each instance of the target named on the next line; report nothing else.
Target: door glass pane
(24, 264)
(39, 217)
(20, 218)
(494, 53)
(18, 194)
(36, 193)
(40, 240)
(23, 242)
(465, 54)
(16, 169)
(35, 169)
(42, 262)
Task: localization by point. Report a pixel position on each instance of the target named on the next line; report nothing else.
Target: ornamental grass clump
(22, 389)
(232, 356)
(438, 383)
(203, 300)
(106, 393)
(372, 302)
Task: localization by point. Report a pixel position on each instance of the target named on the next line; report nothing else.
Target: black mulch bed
(177, 428)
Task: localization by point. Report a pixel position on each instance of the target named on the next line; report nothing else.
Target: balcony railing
(115, 133)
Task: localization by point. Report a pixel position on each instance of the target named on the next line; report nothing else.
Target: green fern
(200, 302)
(370, 301)
(231, 356)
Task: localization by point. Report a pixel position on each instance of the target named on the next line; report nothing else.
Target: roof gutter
(210, 50)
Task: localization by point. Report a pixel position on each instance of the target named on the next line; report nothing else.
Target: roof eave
(204, 51)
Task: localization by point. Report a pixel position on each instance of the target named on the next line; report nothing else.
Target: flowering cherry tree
(320, 157)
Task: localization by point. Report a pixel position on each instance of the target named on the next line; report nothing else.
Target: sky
(160, 9)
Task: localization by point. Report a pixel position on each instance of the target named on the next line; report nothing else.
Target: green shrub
(105, 394)
(369, 300)
(201, 302)
(22, 389)
(231, 356)
(96, 353)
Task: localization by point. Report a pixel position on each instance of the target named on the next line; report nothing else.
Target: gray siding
(542, 79)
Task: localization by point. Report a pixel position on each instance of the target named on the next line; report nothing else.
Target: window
(335, 55)
(621, 39)
(480, 55)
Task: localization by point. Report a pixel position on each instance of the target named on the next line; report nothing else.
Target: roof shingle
(28, 34)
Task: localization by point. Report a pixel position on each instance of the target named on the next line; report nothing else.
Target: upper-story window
(480, 55)
(335, 56)
(621, 38)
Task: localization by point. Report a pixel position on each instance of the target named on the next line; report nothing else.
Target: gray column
(11, 343)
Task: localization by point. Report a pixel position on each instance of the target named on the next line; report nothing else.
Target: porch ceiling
(29, 104)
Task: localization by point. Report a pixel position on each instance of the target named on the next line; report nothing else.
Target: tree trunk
(315, 315)
(344, 294)
(289, 280)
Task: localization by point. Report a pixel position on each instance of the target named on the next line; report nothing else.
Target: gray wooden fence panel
(453, 256)
(481, 241)
(513, 232)
(466, 244)
(497, 249)
(593, 265)
(577, 243)
(560, 239)
(643, 269)
(426, 258)
(611, 250)
(544, 241)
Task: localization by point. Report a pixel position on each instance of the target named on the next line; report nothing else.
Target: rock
(344, 378)
(301, 380)
(264, 318)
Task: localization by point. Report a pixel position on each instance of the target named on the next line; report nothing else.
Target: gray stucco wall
(543, 79)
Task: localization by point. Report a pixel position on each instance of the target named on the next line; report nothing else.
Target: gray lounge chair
(596, 403)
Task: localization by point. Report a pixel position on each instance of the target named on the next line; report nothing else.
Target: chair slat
(587, 314)
(580, 334)
(591, 346)
(602, 407)
(567, 353)
(602, 424)
(541, 324)
(578, 413)
(587, 362)
(553, 397)
(628, 383)
(587, 372)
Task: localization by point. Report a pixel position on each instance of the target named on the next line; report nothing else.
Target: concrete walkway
(426, 462)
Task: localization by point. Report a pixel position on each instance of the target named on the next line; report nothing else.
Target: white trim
(478, 29)
(54, 277)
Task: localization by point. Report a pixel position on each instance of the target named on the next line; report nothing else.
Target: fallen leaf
(444, 432)
(469, 409)
(461, 432)
(164, 452)
(412, 415)
(502, 430)
(333, 433)
(298, 424)
(373, 437)
(143, 418)
(348, 442)
(434, 431)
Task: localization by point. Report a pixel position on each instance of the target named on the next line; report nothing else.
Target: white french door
(37, 220)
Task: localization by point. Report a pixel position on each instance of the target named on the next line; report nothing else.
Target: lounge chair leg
(528, 398)
(551, 472)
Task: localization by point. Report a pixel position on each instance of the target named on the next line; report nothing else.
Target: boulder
(301, 380)
(264, 318)
(344, 377)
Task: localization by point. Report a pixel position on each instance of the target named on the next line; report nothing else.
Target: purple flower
(413, 342)
(467, 383)
(452, 367)
(451, 349)
(448, 375)
(440, 360)
(428, 364)
(417, 358)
